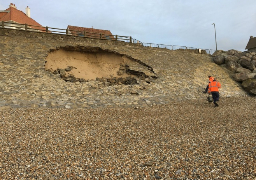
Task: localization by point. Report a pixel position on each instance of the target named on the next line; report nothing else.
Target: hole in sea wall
(93, 63)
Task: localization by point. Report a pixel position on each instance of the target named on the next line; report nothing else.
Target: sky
(170, 22)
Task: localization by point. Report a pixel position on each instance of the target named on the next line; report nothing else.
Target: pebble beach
(182, 140)
(159, 128)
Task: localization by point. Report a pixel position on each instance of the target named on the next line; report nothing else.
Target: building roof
(17, 16)
(251, 43)
(90, 32)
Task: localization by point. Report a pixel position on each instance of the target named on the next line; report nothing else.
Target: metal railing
(92, 35)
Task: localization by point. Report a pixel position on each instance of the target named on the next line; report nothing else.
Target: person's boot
(216, 105)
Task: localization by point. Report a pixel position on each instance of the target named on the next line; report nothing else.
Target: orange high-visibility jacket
(214, 86)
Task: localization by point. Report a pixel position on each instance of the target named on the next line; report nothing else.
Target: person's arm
(206, 89)
(219, 85)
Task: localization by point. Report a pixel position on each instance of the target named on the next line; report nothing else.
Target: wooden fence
(85, 34)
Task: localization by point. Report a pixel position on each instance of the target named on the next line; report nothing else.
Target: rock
(233, 52)
(246, 63)
(254, 62)
(62, 72)
(130, 80)
(157, 176)
(231, 58)
(232, 65)
(249, 55)
(69, 68)
(220, 59)
(250, 86)
(70, 78)
(240, 76)
(251, 75)
(67, 106)
(245, 57)
(218, 52)
(254, 57)
(243, 70)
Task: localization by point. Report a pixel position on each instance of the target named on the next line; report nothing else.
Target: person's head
(211, 78)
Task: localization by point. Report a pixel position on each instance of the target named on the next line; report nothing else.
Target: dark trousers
(215, 96)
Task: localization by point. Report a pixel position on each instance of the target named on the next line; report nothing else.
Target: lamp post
(215, 35)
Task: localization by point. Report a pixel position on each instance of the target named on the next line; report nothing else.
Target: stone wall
(24, 82)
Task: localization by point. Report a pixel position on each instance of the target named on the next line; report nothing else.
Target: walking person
(214, 87)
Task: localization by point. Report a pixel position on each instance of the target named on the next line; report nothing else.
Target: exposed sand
(87, 65)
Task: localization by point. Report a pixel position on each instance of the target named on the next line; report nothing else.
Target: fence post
(46, 29)
(84, 33)
(2, 24)
(100, 35)
(26, 27)
(130, 39)
(116, 37)
(67, 31)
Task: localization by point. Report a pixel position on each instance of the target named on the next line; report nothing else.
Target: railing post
(2, 24)
(46, 29)
(26, 27)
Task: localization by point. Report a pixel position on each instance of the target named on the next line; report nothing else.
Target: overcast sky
(170, 22)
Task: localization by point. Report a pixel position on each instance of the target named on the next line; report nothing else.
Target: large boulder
(231, 58)
(233, 52)
(251, 75)
(232, 66)
(254, 57)
(245, 58)
(239, 77)
(243, 70)
(247, 63)
(218, 52)
(220, 59)
(250, 86)
(249, 55)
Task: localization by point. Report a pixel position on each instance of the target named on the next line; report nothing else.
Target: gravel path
(183, 140)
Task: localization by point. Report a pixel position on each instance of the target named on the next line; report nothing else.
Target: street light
(215, 35)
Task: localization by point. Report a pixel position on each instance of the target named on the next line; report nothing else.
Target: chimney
(28, 11)
(12, 5)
